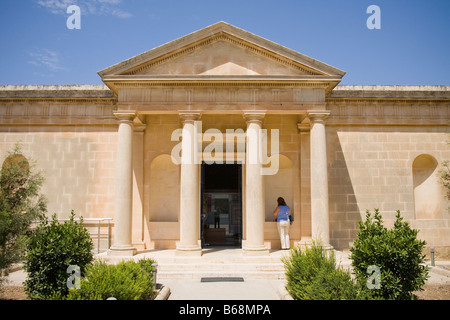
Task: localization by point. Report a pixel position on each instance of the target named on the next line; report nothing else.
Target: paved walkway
(195, 289)
(249, 289)
(254, 289)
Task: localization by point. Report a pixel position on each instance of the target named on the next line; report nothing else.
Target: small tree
(444, 175)
(20, 204)
(396, 254)
(445, 178)
(53, 247)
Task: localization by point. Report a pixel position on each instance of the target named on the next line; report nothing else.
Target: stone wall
(386, 154)
(78, 164)
(71, 134)
(382, 153)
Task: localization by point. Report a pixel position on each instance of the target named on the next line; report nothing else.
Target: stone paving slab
(246, 290)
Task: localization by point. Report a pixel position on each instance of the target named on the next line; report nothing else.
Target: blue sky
(411, 48)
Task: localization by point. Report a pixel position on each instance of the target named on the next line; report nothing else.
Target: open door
(221, 196)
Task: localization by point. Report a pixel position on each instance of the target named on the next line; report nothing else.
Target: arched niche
(279, 185)
(16, 162)
(164, 189)
(427, 191)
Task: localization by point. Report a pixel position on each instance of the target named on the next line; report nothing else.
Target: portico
(222, 71)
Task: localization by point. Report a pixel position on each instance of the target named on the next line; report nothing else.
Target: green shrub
(20, 204)
(125, 281)
(396, 252)
(311, 274)
(52, 248)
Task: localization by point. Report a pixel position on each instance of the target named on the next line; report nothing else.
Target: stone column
(189, 188)
(254, 187)
(320, 227)
(138, 187)
(305, 183)
(124, 187)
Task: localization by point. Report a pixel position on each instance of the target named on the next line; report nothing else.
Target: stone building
(332, 151)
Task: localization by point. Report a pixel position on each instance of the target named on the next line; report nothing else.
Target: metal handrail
(98, 220)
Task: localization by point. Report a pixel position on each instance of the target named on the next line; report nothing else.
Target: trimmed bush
(311, 274)
(52, 248)
(128, 280)
(396, 252)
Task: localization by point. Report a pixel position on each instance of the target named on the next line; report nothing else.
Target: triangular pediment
(220, 55)
(221, 51)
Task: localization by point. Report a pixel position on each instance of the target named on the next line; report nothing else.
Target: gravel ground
(431, 291)
(437, 287)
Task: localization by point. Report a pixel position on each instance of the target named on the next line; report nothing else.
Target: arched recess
(280, 184)
(164, 189)
(17, 162)
(427, 191)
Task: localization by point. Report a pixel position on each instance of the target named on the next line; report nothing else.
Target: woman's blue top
(283, 213)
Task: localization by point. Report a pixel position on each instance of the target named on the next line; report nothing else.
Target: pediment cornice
(225, 37)
(303, 68)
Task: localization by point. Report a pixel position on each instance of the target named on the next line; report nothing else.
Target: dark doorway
(221, 213)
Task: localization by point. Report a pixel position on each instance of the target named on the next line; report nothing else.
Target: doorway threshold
(222, 279)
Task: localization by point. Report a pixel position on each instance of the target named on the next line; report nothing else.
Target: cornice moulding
(224, 31)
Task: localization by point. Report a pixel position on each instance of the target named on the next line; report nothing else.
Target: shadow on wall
(427, 190)
(344, 211)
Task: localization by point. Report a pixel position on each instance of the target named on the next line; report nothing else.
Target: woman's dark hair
(281, 202)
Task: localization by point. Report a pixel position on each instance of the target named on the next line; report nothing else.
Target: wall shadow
(344, 212)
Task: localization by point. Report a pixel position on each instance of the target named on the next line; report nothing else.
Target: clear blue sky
(411, 48)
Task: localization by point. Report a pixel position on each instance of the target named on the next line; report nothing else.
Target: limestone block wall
(71, 134)
(373, 167)
(78, 164)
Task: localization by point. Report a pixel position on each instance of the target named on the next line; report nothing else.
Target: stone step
(219, 263)
(217, 260)
(183, 275)
(247, 268)
(211, 267)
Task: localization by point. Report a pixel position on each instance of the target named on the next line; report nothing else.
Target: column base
(307, 242)
(255, 251)
(121, 251)
(189, 251)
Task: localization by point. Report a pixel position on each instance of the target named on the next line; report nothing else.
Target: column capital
(125, 115)
(318, 115)
(303, 127)
(254, 116)
(139, 127)
(189, 116)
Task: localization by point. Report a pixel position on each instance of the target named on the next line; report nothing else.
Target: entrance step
(219, 263)
(201, 270)
(214, 263)
(268, 275)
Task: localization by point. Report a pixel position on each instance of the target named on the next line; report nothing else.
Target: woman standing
(282, 213)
